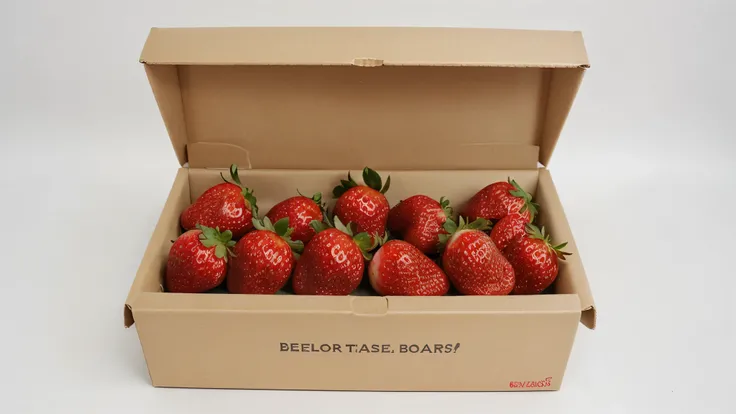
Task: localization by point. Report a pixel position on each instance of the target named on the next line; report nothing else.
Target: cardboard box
(444, 112)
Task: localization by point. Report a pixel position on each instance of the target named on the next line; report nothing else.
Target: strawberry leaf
(211, 237)
(297, 246)
(209, 242)
(444, 238)
(281, 226)
(560, 246)
(220, 251)
(339, 190)
(479, 224)
(445, 204)
(529, 205)
(318, 226)
(450, 226)
(366, 243)
(387, 185)
(342, 227)
(251, 201)
(372, 179)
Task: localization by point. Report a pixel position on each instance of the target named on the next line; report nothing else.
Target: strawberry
(333, 261)
(227, 206)
(198, 260)
(401, 216)
(300, 211)
(400, 269)
(534, 259)
(365, 206)
(419, 220)
(263, 259)
(472, 262)
(499, 199)
(507, 229)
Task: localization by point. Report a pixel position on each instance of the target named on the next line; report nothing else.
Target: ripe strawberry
(400, 269)
(365, 206)
(534, 259)
(197, 260)
(333, 261)
(402, 215)
(419, 220)
(300, 211)
(499, 199)
(507, 229)
(263, 259)
(226, 205)
(472, 262)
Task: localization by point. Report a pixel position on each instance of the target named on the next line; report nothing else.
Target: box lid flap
(340, 97)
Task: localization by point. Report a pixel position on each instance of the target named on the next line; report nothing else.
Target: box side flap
(364, 46)
(563, 87)
(148, 277)
(164, 82)
(571, 278)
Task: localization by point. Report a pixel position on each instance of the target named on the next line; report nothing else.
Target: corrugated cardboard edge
(557, 225)
(147, 279)
(365, 46)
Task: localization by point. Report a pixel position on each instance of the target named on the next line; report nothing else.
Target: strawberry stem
(221, 241)
(445, 204)
(528, 203)
(282, 229)
(250, 199)
(451, 227)
(371, 179)
(535, 233)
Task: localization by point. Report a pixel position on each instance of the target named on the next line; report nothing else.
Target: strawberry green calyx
(317, 198)
(371, 179)
(250, 199)
(445, 204)
(451, 228)
(221, 241)
(365, 242)
(281, 228)
(535, 233)
(528, 203)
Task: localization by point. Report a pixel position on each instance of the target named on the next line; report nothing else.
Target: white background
(645, 169)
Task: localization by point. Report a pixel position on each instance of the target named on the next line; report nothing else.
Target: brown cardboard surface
(365, 46)
(289, 97)
(235, 341)
(444, 112)
(498, 336)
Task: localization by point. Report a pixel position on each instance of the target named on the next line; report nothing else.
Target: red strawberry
(227, 206)
(263, 259)
(365, 206)
(499, 199)
(507, 229)
(472, 262)
(400, 269)
(333, 261)
(197, 260)
(419, 220)
(300, 211)
(534, 259)
(402, 215)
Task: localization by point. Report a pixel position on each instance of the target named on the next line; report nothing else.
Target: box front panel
(345, 351)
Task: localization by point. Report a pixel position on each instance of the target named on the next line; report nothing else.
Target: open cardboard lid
(390, 98)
